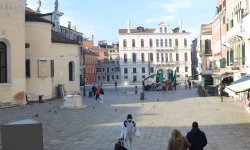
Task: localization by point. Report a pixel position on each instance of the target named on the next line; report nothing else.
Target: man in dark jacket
(196, 137)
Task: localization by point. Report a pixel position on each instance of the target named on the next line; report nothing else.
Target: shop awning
(239, 87)
(242, 79)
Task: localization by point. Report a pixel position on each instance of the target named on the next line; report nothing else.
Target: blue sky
(103, 18)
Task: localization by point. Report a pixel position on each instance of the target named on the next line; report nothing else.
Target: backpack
(120, 145)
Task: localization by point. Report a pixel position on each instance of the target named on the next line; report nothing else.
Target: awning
(239, 87)
(242, 79)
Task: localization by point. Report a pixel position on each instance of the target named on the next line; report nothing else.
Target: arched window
(185, 42)
(151, 57)
(157, 42)
(161, 42)
(160, 29)
(166, 57)
(150, 43)
(170, 42)
(125, 58)
(134, 57)
(177, 57)
(124, 43)
(71, 71)
(142, 57)
(142, 43)
(165, 30)
(133, 43)
(3, 63)
(176, 42)
(166, 42)
(186, 57)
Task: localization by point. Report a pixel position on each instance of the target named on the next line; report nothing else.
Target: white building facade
(143, 51)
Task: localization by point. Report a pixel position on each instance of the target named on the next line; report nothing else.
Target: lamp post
(84, 73)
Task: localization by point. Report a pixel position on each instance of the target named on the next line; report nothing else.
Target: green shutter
(231, 55)
(223, 63)
(243, 54)
(227, 58)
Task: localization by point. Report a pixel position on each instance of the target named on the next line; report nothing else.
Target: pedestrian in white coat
(129, 131)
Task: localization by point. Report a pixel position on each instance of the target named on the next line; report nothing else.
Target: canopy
(239, 87)
(242, 79)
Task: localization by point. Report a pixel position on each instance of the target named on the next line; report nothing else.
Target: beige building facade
(12, 49)
(34, 59)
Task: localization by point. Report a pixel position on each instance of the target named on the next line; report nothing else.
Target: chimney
(128, 26)
(180, 25)
(93, 38)
(69, 24)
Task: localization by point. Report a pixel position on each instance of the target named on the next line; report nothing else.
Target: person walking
(129, 131)
(189, 84)
(101, 95)
(186, 84)
(177, 141)
(115, 85)
(97, 95)
(196, 137)
(93, 90)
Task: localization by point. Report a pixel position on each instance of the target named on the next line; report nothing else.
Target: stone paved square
(97, 126)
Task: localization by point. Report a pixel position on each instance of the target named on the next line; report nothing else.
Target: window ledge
(5, 84)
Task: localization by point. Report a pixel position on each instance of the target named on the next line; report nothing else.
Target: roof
(239, 87)
(30, 16)
(146, 30)
(60, 38)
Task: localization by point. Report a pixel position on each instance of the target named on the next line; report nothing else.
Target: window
(99, 77)
(134, 57)
(71, 71)
(160, 29)
(125, 77)
(142, 43)
(177, 57)
(151, 43)
(185, 42)
(142, 57)
(107, 70)
(166, 42)
(186, 58)
(27, 65)
(117, 76)
(162, 57)
(103, 77)
(125, 70)
(125, 58)
(170, 42)
(143, 70)
(157, 43)
(177, 69)
(103, 70)
(151, 58)
(186, 69)
(143, 76)
(133, 43)
(3, 63)
(52, 67)
(166, 57)
(171, 57)
(176, 42)
(134, 70)
(165, 30)
(113, 77)
(157, 57)
(112, 69)
(161, 42)
(152, 69)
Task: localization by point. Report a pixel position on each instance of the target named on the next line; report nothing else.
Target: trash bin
(142, 96)
(40, 98)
